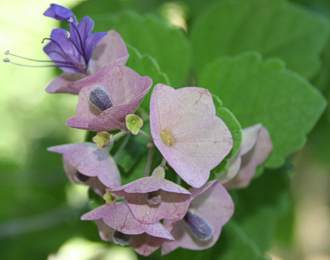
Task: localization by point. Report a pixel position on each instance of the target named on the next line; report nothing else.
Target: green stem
(143, 114)
(118, 135)
(145, 134)
(147, 168)
(121, 147)
(163, 163)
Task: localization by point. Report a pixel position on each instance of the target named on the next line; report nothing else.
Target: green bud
(133, 123)
(159, 172)
(102, 139)
(108, 197)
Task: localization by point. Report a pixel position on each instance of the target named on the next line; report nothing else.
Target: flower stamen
(167, 137)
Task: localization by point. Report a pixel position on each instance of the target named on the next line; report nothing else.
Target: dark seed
(120, 238)
(199, 227)
(99, 98)
(81, 177)
(154, 198)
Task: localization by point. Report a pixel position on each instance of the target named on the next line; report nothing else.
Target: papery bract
(117, 217)
(85, 163)
(255, 148)
(211, 204)
(124, 88)
(154, 198)
(187, 132)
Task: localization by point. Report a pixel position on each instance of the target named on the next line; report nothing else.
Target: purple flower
(117, 224)
(154, 198)
(187, 132)
(87, 164)
(80, 51)
(255, 148)
(210, 209)
(59, 12)
(107, 97)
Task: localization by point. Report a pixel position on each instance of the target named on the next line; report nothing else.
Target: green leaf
(146, 65)
(257, 217)
(273, 28)
(236, 131)
(240, 246)
(318, 142)
(232, 123)
(264, 91)
(154, 37)
(101, 7)
(320, 6)
(322, 81)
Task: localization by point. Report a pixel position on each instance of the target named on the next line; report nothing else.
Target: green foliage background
(268, 62)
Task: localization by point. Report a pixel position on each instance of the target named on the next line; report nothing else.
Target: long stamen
(6, 60)
(8, 53)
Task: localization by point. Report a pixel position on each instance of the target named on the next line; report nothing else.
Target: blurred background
(40, 210)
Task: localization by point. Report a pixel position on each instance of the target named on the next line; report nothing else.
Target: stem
(121, 148)
(144, 114)
(147, 168)
(178, 180)
(144, 134)
(118, 135)
(163, 163)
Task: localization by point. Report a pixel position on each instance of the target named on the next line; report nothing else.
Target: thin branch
(148, 165)
(121, 148)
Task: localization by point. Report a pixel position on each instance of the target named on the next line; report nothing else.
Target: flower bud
(108, 197)
(159, 172)
(102, 139)
(133, 123)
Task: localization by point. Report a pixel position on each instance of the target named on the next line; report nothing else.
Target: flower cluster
(152, 212)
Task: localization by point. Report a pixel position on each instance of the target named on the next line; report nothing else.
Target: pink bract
(95, 164)
(111, 50)
(187, 131)
(144, 238)
(255, 148)
(172, 200)
(124, 87)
